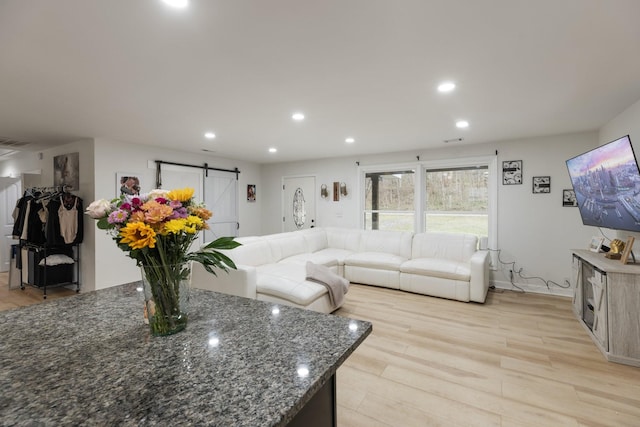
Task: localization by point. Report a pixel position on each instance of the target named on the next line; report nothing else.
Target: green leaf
(223, 243)
(103, 224)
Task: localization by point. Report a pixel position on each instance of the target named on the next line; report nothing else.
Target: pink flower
(161, 200)
(126, 206)
(118, 217)
(136, 202)
(175, 204)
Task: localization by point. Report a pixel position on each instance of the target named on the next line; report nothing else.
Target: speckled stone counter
(90, 360)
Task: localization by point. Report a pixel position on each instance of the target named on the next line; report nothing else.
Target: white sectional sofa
(273, 267)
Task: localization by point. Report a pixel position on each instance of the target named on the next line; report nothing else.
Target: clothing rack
(49, 223)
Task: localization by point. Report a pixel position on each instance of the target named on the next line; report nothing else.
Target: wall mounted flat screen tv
(606, 181)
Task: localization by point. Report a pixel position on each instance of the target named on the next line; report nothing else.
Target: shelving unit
(44, 276)
(606, 300)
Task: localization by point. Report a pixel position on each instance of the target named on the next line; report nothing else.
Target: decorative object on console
(569, 198)
(615, 249)
(512, 172)
(541, 184)
(324, 192)
(157, 229)
(336, 191)
(628, 250)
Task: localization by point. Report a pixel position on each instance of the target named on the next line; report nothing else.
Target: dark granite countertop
(90, 360)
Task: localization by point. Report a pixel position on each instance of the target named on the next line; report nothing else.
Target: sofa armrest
(240, 282)
(479, 284)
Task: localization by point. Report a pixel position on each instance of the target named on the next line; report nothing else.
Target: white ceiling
(138, 71)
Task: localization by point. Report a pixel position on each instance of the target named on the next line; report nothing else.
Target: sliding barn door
(221, 198)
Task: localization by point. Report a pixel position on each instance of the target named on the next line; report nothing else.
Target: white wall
(534, 230)
(113, 267)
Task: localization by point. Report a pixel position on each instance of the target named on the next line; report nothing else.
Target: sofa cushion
(375, 260)
(437, 267)
(343, 238)
(286, 244)
(319, 258)
(316, 239)
(288, 281)
(253, 252)
(451, 246)
(390, 242)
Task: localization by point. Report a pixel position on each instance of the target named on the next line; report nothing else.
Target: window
(457, 200)
(389, 200)
(448, 195)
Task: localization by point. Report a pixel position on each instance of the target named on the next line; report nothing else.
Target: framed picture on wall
(128, 183)
(251, 193)
(66, 171)
(512, 172)
(541, 184)
(569, 198)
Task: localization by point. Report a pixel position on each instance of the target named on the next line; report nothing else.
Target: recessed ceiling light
(273, 150)
(297, 117)
(209, 135)
(349, 140)
(462, 124)
(446, 87)
(178, 4)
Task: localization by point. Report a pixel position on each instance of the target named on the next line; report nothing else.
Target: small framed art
(569, 198)
(541, 184)
(512, 172)
(251, 193)
(127, 183)
(596, 244)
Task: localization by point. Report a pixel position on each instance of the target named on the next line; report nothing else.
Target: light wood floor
(517, 360)
(12, 298)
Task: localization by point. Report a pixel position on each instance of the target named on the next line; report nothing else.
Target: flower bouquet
(157, 230)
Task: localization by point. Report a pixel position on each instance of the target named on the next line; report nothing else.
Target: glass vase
(166, 295)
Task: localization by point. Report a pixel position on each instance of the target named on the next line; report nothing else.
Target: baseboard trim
(537, 289)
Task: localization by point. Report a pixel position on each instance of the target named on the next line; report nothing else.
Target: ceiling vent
(12, 143)
(446, 141)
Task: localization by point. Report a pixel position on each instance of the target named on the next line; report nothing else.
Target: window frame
(420, 167)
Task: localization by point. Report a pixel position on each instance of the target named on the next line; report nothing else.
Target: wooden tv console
(606, 300)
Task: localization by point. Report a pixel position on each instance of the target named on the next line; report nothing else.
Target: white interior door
(10, 190)
(221, 198)
(299, 210)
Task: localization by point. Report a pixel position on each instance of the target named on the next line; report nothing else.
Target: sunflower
(181, 194)
(138, 235)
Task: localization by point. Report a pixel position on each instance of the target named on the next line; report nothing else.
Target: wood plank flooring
(517, 360)
(12, 298)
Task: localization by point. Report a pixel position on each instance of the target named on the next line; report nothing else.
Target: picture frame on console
(628, 247)
(596, 244)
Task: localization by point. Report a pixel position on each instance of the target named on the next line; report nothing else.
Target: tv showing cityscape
(606, 181)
